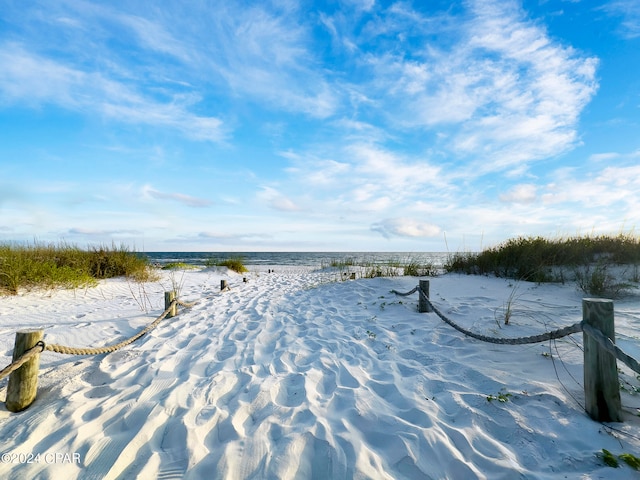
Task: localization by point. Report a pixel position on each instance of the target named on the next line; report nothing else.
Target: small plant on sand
(609, 458)
(502, 397)
(341, 263)
(507, 307)
(176, 284)
(236, 264)
(416, 269)
(178, 266)
(631, 460)
(612, 461)
(598, 281)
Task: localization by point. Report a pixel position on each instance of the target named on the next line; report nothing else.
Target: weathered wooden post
(223, 285)
(601, 384)
(169, 297)
(23, 383)
(423, 295)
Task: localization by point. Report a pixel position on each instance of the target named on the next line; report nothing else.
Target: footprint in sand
(240, 336)
(226, 351)
(252, 325)
(290, 391)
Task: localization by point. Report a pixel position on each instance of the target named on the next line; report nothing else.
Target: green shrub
(236, 264)
(532, 258)
(178, 266)
(416, 269)
(599, 282)
(65, 266)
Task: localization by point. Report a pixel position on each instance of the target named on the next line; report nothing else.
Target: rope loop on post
(24, 358)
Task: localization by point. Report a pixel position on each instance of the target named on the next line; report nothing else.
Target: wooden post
(423, 305)
(223, 285)
(168, 298)
(601, 384)
(23, 383)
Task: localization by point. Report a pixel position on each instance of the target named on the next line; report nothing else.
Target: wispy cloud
(405, 227)
(188, 200)
(351, 120)
(524, 193)
(90, 232)
(276, 200)
(261, 51)
(629, 12)
(503, 92)
(31, 79)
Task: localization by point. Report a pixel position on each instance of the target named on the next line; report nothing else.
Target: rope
(606, 343)
(543, 337)
(187, 304)
(24, 358)
(52, 347)
(405, 294)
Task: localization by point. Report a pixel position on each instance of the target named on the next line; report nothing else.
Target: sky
(347, 125)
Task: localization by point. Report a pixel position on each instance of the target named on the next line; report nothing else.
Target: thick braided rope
(405, 294)
(606, 343)
(24, 358)
(187, 304)
(562, 332)
(52, 347)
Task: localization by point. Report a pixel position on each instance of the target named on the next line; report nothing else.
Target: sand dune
(294, 375)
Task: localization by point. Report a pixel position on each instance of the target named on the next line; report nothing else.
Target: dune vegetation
(601, 265)
(47, 266)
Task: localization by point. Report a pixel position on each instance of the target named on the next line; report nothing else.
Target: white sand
(292, 375)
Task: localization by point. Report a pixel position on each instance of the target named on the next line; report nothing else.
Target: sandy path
(278, 379)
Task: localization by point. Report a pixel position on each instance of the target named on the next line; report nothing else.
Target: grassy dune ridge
(40, 265)
(601, 265)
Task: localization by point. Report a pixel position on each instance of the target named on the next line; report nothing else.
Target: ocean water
(307, 259)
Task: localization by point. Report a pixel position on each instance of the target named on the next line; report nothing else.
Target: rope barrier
(405, 294)
(606, 343)
(24, 358)
(543, 337)
(52, 347)
(66, 350)
(187, 304)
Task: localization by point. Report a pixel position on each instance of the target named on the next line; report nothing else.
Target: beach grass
(235, 263)
(40, 265)
(589, 260)
(364, 268)
(179, 266)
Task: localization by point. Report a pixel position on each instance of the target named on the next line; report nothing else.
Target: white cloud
(188, 200)
(524, 193)
(504, 92)
(35, 80)
(604, 157)
(629, 10)
(262, 53)
(276, 200)
(92, 232)
(391, 172)
(405, 227)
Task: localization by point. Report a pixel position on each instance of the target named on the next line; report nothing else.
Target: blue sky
(350, 125)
